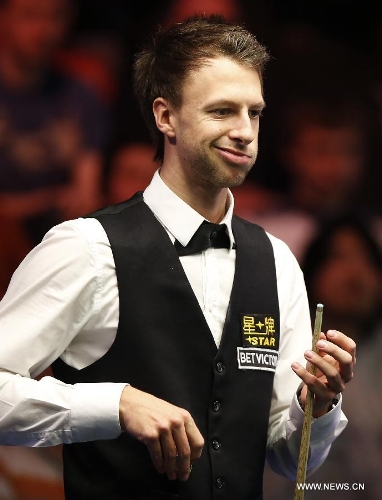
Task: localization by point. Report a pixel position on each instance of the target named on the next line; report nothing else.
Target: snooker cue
(305, 435)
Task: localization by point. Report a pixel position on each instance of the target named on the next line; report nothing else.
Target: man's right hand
(169, 432)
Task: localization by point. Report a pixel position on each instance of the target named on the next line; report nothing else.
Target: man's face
(33, 29)
(217, 124)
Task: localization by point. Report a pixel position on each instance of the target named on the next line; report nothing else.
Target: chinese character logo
(258, 330)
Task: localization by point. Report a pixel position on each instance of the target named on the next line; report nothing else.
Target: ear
(163, 114)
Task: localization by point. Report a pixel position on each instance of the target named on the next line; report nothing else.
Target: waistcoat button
(216, 444)
(216, 405)
(220, 367)
(219, 483)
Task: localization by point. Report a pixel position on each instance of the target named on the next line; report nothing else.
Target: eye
(221, 112)
(254, 113)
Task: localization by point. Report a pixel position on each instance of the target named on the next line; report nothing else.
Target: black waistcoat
(164, 346)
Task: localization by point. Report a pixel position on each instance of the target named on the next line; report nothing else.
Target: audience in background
(53, 128)
(252, 198)
(130, 170)
(343, 270)
(325, 151)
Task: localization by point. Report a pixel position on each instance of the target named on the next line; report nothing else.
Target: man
(206, 337)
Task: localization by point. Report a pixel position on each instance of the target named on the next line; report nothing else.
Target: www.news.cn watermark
(331, 486)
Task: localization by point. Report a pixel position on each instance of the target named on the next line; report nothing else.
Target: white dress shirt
(63, 302)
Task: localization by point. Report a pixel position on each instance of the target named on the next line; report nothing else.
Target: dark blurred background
(72, 139)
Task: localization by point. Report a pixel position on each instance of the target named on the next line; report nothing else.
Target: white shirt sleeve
(286, 416)
(50, 309)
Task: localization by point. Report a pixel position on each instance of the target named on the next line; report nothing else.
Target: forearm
(283, 452)
(48, 412)
(50, 310)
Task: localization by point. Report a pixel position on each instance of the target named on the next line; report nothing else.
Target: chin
(237, 179)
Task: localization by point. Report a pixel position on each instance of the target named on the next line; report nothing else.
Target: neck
(210, 202)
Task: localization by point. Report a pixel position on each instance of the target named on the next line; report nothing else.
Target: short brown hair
(162, 65)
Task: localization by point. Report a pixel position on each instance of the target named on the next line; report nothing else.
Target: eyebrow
(228, 102)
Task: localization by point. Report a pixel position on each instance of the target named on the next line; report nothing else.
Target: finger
(344, 358)
(169, 452)
(346, 343)
(334, 380)
(323, 395)
(183, 453)
(195, 440)
(155, 449)
(315, 384)
(189, 444)
(176, 447)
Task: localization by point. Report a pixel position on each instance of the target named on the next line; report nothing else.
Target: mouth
(235, 156)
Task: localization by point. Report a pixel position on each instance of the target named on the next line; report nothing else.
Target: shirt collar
(180, 220)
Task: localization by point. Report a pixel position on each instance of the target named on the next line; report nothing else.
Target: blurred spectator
(52, 127)
(325, 150)
(98, 69)
(343, 270)
(321, 67)
(251, 197)
(131, 169)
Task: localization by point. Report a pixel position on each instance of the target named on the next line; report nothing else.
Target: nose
(244, 129)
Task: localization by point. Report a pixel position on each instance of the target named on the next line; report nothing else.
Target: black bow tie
(208, 235)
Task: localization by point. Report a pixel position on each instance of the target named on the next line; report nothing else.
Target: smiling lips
(234, 156)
